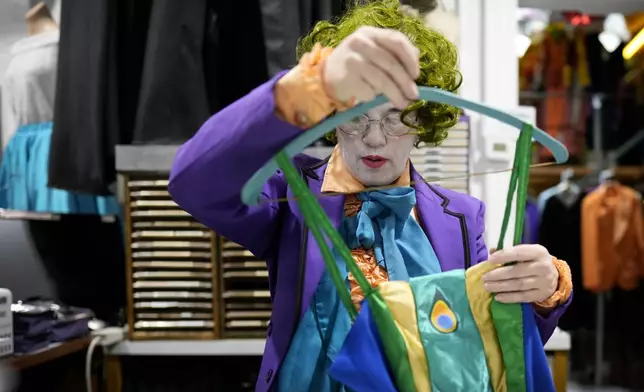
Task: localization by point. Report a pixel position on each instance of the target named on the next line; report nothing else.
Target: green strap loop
(518, 184)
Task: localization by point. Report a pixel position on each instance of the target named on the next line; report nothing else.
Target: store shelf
(246, 306)
(148, 158)
(171, 266)
(560, 341)
(623, 172)
(542, 178)
(225, 347)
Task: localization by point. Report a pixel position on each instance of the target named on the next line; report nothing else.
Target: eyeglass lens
(390, 124)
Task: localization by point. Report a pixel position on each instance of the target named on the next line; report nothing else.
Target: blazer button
(269, 375)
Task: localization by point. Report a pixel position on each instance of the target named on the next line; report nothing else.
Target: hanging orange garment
(529, 67)
(557, 78)
(612, 235)
(581, 67)
(575, 138)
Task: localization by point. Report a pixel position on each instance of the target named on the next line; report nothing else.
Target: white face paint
(376, 158)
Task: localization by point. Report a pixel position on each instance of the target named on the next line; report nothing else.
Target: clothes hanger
(564, 182)
(567, 191)
(252, 189)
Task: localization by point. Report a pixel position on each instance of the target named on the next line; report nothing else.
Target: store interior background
(83, 261)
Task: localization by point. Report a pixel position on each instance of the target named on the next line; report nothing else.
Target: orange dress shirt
(612, 238)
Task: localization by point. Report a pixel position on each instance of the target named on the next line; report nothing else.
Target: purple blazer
(206, 180)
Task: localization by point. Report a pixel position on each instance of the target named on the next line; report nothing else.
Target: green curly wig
(438, 60)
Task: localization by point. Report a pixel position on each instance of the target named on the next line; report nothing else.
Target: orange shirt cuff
(564, 288)
(301, 97)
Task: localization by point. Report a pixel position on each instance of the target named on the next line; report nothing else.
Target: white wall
(12, 27)
(490, 71)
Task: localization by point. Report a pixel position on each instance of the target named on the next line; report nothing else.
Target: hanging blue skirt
(23, 178)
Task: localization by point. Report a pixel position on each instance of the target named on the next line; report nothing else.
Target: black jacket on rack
(152, 71)
(285, 21)
(560, 233)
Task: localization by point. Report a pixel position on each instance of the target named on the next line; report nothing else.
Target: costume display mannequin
(29, 85)
(28, 99)
(405, 230)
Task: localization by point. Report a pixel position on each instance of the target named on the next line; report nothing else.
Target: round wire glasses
(391, 124)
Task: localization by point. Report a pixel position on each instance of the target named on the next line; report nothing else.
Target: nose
(374, 137)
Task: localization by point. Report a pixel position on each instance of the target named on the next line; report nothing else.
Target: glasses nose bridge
(374, 133)
(374, 122)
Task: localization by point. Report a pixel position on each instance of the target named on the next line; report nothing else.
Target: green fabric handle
(508, 318)
(518, 184)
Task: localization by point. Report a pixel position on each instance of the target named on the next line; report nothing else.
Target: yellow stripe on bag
(480, 301)
(400, 300)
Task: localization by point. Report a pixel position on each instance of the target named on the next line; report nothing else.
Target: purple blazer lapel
(334, 208)
(443, 227)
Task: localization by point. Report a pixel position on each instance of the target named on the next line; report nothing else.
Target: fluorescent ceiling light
(609, 41)
(634, 46)
(521, 44)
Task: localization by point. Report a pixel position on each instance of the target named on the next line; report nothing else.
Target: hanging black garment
(560, 233)
(235, 55)
(607, 71)
(173, 101)
(86, 124)
(285, 21)
(129, 72)
(152, 71)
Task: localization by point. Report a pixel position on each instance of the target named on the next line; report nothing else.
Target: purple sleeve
(210, 169)
(481, 247)
(546, 324)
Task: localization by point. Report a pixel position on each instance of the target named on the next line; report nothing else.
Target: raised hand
(370, 62)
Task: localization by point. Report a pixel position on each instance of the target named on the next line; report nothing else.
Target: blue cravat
(384, 224)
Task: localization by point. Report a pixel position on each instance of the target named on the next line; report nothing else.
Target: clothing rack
(42, 216)
(26, 215)
(605, 164)
(529, 94)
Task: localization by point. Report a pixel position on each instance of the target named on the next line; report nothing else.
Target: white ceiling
(588, 6)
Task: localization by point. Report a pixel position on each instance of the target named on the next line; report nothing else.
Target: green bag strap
(519, 184)
(508, 318)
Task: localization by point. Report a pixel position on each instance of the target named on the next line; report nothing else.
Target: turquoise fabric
(23, 178)
(385, 224)
(456, 359)
(319, 337)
